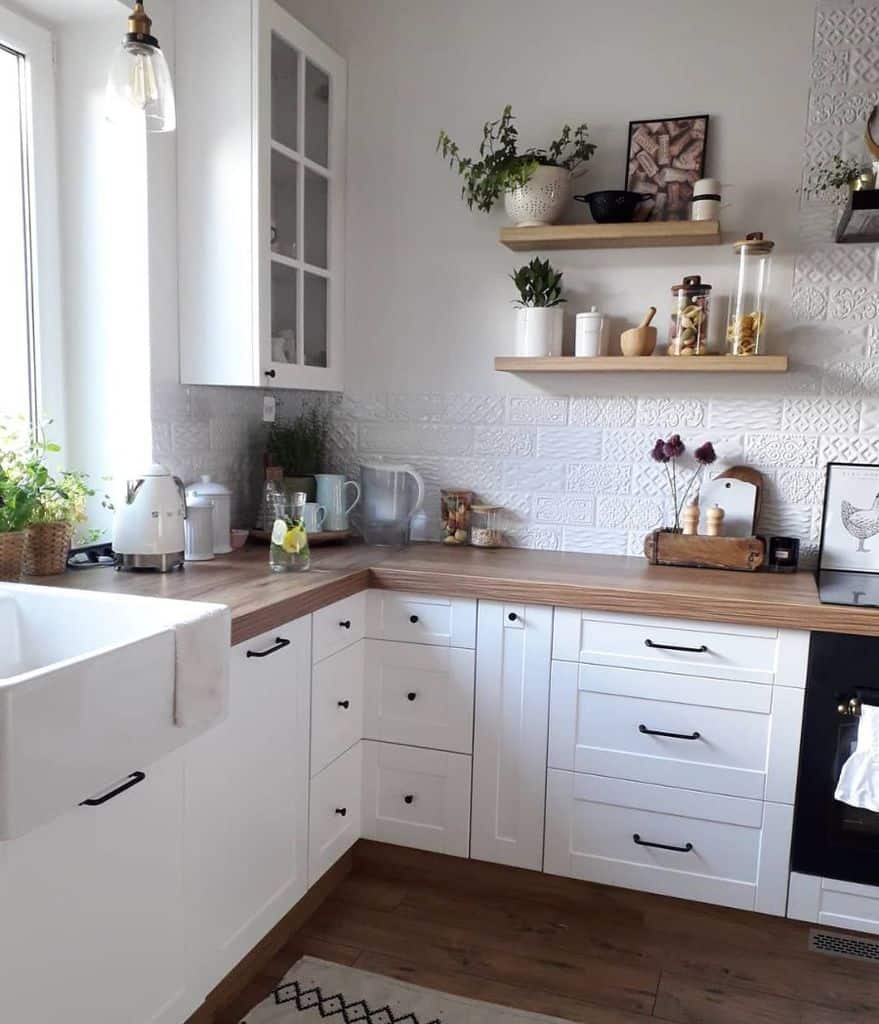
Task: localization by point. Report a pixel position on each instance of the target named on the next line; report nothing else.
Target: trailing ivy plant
(538, 284)
(838, 173)
(501, 167)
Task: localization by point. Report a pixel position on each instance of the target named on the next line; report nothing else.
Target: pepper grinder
(714, 521)
(690, 519)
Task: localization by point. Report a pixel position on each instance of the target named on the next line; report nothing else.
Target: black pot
(613, 206)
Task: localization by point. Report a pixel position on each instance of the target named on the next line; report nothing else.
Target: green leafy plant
(300, 444)
(501, 167)
(538, 284)
(840, 172)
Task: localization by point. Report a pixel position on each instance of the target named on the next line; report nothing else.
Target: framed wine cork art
(666, 158)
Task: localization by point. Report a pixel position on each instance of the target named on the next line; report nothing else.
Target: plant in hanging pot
(535, 184)
(540, 316)
(299, 446)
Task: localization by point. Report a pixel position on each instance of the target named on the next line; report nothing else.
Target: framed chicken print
(665, 160)
(850, 528)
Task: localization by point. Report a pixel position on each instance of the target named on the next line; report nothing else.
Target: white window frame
(36, 44)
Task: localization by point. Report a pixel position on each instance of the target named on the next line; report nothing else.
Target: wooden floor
(570, 949)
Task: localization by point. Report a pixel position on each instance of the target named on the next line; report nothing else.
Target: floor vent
(855, 947)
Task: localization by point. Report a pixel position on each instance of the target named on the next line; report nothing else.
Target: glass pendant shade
(139, 83)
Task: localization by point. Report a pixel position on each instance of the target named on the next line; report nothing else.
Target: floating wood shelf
(649, 364)
(649, 233)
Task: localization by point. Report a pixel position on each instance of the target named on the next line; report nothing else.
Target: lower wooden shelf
(649, 364)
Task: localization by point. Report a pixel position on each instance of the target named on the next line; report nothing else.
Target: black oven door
(831, 839)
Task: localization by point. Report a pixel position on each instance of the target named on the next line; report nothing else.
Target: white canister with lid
(706, 200)
(222, 518)
(198, 529)
(589, 337)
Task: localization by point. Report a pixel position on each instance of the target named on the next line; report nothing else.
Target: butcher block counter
(260, 600)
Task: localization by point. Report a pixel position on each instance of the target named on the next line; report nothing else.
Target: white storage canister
(222, 498)
(198, 529)
(589, 336)
(706, 200)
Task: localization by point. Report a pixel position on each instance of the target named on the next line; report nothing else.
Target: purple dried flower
(657, 452)
(674, 447)
(705, 453)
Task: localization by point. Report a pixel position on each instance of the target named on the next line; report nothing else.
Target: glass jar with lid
(485, 526)
(747, 309)
(690, 305)
(455, 515)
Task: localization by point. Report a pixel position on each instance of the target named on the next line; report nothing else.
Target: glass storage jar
(747, 309)
(288, 550)
(485, 529)
(688, 330)
(455, 514)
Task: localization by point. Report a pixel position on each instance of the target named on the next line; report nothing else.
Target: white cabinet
(421, 619)
(509, 756)
(334, 812)
(261, 162)
(246, 804)
(336, 705)
(828, 901)
(92, 921)
(339, 625)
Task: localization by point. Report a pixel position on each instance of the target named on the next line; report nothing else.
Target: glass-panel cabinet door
(301, 336)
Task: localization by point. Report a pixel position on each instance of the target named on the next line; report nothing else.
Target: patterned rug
(314, 990)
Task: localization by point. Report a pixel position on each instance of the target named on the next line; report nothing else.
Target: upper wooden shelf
(648, 233)
(652, 364)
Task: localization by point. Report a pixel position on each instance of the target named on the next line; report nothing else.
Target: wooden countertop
(261, 600)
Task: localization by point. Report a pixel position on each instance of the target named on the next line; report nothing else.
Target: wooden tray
(325, 537)
(744, 554)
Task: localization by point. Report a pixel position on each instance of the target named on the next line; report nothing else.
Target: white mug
(331, 489)
(313, 516)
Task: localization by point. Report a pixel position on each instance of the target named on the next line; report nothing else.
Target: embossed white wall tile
(476, 473)
(228, 433)
(800, 486)
(362, 407)
(809, 303)
(503, 441)
(853, 378)
(428, 408)
(603, 411)
(870, 416)
(161, 439)
(670, 412)
(836, 264)
(843, 26)
(571, 444)
(651, 479)
(624, 512)
(534, 475)
(821, 415)
(756, 414)
(564, 508)
(516, 505)
(537, 538)
(627, 445)
(594, 541)
(537, 410)
(784, 521)
(840, 108)
(597, 478)
(865, 66)
(781, 450)
(850, 449)
(854, 304)
(190, 437)
(413, 438)
(830, 67)
(475, 409)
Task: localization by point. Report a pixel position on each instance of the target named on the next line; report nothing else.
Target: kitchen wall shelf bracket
(648, 364)
(650, 233)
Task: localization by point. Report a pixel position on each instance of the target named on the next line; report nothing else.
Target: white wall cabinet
(246, 831)
(261, 162)
(512, 709)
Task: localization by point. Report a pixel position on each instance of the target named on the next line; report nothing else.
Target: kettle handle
(419, 501)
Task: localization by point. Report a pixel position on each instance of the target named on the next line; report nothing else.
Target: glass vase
(288, 550)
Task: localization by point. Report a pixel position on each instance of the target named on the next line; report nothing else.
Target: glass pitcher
(391, 495)
(288, 551)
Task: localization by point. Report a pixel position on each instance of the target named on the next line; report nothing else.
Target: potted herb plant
(16, 505)
(59, 508)
(843, 172)
(535, 184)
(299, 447)
(540, 315)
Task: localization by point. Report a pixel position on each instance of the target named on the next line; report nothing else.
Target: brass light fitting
(140, 26)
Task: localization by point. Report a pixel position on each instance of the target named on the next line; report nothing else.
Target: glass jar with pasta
(747, 309)
(688, 329)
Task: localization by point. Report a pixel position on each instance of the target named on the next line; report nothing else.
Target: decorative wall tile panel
(757, 414)
(865, 66)
(476, 473)
(781, 450)
(190, 437)
(621, 512)
(627, 445)
(572, 444)
(840, 108)
(474, 408)
(854, 304)
(800, 486)
(228, 433)
(538, 538)
(850, 449)
(503, 441)
(597, 478)
(413, 438)
(594, 541)
(534, 475)
(516, 505)
(821, 415)
(809, 303)
(784, 521)
(564, 508)
(830, 67)
(855, 378)
(538, 410)
(670, 412)
(603, 411)
(843, 26)
(836, 264)
(428, 408)
(870, 416)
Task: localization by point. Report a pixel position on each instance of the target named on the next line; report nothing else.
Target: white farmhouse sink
(86, 696)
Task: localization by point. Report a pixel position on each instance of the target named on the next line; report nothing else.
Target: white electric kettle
(148, 527)
(391, 495)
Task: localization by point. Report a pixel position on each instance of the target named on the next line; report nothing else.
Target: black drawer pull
(671, 735)
(687, 848)
(408, 798)
(344, 704)
(341, 811)
(132, 780)
(270, 373)
(413, 619)
(701, 649)
(346, 624)
(411, 696)
(280, 643)
(512, 616)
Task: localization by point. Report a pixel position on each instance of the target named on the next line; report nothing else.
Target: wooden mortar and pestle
(640, 340)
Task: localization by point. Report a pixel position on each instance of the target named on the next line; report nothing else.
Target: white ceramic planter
(539, 331)
(541, 199)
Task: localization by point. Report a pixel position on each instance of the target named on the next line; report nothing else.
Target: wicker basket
(11, 556)
(47, 548)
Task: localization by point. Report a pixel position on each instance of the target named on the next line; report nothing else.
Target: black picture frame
(830, 467)
(670, 203)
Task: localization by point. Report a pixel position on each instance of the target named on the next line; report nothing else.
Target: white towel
(201, 689)
(858, 784)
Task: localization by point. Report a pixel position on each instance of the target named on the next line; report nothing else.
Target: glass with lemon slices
(288, 550)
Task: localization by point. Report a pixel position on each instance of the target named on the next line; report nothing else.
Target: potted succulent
(299, 447)
(540, 316)
(535, 184)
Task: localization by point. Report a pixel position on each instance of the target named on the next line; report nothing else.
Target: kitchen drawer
(418, 798)
(667, 645)
(607, 721)
(710, 848)
(420, 695)
(421, 619)
(339, 625)
(334, 814)
(336, 705)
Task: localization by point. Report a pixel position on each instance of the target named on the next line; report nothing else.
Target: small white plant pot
(541, 199)
(539, 331)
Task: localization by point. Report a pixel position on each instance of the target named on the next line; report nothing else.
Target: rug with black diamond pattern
(315, 990)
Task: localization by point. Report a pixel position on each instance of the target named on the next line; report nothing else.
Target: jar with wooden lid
(690, 305)
(455, 515)
(747, 309)
(485, 528)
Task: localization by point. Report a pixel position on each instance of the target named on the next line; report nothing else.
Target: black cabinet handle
(411, 695)
(270, 373)
(413, 619)
(346, 624)
(687, 848)
(408, 798)
(133, 779)
(671, 735)
(701, 649)
(344, 704)
(280, 643)
(512, 616)
(341, 811)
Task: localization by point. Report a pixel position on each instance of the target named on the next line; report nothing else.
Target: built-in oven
(832, 839)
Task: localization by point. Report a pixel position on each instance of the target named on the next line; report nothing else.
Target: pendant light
(139, 84)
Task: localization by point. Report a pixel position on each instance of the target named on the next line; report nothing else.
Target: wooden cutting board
(737, 491)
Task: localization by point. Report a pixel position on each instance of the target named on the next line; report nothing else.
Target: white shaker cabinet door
(246, 823)
(513, 651)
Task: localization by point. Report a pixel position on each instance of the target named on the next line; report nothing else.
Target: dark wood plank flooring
(569, 949)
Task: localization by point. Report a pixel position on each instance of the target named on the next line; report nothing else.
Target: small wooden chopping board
(737, 491)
